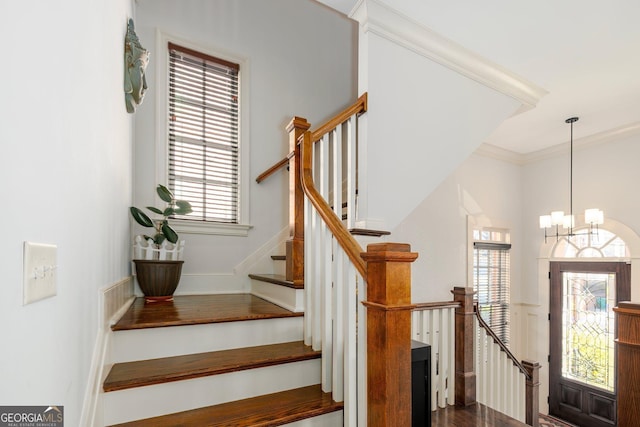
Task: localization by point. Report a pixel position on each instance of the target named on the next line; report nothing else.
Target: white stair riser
(154, 400)
(152, 343)
(289, 298)
(333, 419)
(280, 267)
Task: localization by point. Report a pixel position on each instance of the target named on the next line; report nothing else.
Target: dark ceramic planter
(158, 280)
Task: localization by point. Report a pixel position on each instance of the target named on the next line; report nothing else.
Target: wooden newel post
(465, 386)
(628, 359)
(532, 393)
(295, 244)
(389, 333)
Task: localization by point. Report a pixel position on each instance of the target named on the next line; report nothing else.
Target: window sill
(201, 227)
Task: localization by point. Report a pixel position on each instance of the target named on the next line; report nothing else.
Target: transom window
(203, 134)
(600, 244)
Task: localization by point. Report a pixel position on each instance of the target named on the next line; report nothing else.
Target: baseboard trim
(263, 252)
(114, 300)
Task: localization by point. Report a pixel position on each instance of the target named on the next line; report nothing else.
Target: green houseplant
(157, 258)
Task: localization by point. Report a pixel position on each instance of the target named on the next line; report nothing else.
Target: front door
(582, 368)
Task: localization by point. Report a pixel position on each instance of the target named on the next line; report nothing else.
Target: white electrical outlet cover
(39, 271)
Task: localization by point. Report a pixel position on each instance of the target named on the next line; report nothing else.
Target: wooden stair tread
(277, 279)
(156, 371)
(368, 232)
(199, 309)
(262, 411)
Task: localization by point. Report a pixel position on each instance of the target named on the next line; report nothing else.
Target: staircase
(249, 359)
(214, 360)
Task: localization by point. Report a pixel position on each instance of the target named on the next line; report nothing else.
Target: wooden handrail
(350, 246)
(358, 107)
(435, 305)
(266, 174)
(500, 343)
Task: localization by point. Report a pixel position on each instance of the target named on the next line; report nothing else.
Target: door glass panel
(588, 328)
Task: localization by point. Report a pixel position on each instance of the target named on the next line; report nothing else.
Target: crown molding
(604, 137)
(378, 18)
(499, 153)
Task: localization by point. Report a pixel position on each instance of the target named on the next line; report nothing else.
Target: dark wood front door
(582, 368)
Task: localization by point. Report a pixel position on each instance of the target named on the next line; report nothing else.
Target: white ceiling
(585, 53)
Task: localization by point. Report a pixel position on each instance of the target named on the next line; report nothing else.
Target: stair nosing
(281, 419)
(179, 374)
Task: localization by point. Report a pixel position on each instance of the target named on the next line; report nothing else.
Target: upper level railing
(358, 107)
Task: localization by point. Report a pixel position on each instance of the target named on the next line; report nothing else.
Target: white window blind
(491, 277)
(203, 134)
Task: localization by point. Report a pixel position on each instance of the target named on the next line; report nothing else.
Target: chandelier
(593, 217)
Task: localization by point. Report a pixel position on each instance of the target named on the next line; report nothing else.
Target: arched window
(600, 244)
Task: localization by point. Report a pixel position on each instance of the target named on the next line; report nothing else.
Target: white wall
(302, 61)
(427, 112)
(605, 176)
(485, 189)
(68, 181)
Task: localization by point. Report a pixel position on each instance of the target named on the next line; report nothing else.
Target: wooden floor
(199, 309)
(471, 416)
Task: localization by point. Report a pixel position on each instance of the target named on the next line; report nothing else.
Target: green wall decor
(136, 59)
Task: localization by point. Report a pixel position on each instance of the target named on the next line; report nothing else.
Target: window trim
(162, 134)
(495, 302)
(475, 223)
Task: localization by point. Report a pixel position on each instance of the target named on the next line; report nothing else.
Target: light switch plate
(39, 271)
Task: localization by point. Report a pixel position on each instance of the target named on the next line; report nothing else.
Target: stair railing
(434, 324)
(482, 368)
(355, 301)
(503, 382)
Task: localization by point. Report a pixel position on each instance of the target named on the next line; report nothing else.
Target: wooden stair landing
(167, 369)
(263, 411)
(199, 309)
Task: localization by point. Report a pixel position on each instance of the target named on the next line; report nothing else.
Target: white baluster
(451, 370)
(351, 172)
(338, 322)
(350, 333)
(443, 350)
(308, 273)
(490, 373)
(337, 170)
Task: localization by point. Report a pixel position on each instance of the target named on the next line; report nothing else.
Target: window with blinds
(491, 281)
(203, 134)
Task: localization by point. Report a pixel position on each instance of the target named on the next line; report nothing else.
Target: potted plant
(158, 258)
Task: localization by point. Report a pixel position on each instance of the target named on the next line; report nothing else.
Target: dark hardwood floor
(471, 416)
